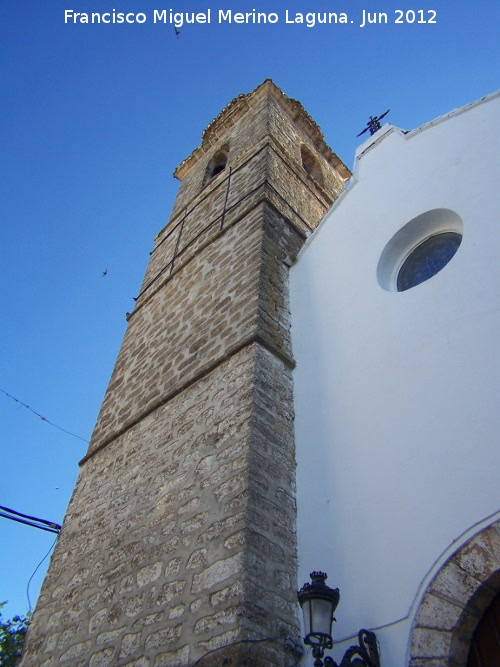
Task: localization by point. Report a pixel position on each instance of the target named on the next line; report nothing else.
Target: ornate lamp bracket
(318, 602)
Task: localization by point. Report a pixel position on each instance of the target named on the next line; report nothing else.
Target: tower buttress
(178, 546)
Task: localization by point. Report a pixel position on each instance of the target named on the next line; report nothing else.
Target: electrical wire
(49, 526)
(297, 648)
(34, 572)
(44, 419)
(246, 641)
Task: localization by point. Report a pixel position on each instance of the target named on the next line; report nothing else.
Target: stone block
(130, 643)
(165, 637)
(178, 658)
(75, 652)
(218, 572)
(170, 591)
(436, 612)
(105, 658)
(221, 618)
(430, 643)
(146, 575)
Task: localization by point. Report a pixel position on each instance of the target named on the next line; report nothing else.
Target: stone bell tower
(178, 546)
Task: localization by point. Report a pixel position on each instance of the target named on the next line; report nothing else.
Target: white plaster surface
(397, 394)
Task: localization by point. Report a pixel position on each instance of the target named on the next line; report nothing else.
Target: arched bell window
(311, 165)
(217, 163)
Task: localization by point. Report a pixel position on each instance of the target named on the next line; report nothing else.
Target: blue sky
(95, 118)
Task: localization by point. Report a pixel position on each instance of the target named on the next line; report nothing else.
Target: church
(308, 383)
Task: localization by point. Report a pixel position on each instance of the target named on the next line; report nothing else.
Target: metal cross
(374, 124)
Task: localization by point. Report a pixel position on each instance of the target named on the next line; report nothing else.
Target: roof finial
(373, 124)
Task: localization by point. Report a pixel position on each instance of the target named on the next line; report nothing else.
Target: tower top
(240, 105)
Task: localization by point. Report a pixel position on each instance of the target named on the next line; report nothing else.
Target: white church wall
(397, 393)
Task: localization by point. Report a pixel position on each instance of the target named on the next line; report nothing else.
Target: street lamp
(318, 602)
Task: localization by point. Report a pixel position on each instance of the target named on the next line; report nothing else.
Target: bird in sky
(105, 273)
(177, 32)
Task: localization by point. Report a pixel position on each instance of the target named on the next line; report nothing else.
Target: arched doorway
(484, 648)
(455, 603)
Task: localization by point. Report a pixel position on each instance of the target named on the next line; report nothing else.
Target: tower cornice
(240, 105)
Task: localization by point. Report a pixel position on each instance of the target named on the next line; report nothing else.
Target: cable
(296, 648)
(49, 526)
(42, 417)
(243, 641)
(35, 571)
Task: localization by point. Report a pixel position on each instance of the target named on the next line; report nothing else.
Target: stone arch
(217, 163)
(455, 601)
(311, 165)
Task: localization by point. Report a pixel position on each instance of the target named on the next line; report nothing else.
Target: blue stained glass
(427, 259)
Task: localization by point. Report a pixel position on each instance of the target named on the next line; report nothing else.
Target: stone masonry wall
(263, 171)
(203, 260)
(179, 530)
(264, 114)
(179, 546)
(211, 306)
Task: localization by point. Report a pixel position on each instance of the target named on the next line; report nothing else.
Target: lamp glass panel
(306, 611)
(322, 613)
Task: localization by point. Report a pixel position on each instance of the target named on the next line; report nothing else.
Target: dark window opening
(217, 163)
(311, 165)
(216, 170)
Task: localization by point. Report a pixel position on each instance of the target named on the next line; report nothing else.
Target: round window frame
(407, 239)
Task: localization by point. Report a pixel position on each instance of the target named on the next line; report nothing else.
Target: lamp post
(318, 602)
